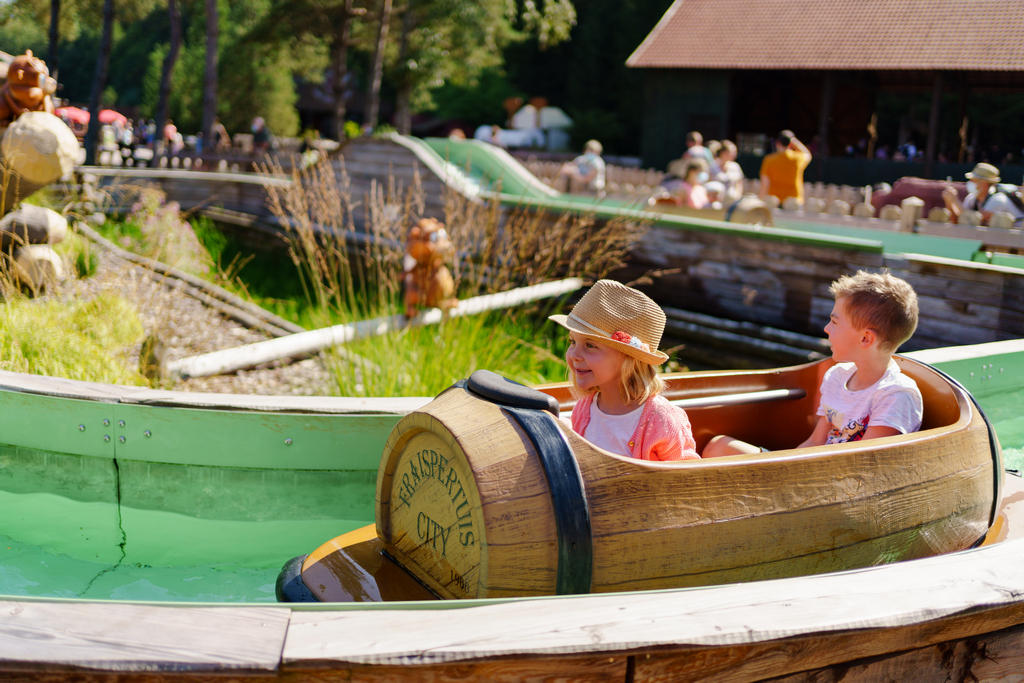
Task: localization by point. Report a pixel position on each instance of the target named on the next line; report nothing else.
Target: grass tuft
(83, 340)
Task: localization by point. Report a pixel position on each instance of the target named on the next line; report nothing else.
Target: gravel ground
(186, 327)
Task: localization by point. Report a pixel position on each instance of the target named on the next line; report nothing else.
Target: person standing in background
(782, 173)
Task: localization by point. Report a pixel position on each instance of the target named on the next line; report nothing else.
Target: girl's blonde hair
(638, 381)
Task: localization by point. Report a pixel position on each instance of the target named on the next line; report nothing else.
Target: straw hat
(621, 317)
(984, 172)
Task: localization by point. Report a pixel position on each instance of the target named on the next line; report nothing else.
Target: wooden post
(828, 92)
(933, 125)
(305, 343)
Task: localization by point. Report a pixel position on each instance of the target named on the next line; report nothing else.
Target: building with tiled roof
(748, 67)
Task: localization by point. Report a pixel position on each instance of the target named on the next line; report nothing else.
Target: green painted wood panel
(58, 425)
(217, 438)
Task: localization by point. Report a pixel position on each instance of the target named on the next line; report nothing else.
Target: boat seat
(941, 407)
(492, 387)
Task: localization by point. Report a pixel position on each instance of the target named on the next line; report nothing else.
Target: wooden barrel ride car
(482, 495)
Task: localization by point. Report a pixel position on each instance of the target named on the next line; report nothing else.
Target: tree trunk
(403, 111)
(403, 103)
(210, 79)
(340, 66)
(377, 72)
(51, 58)
(174, 13)
(99, 82)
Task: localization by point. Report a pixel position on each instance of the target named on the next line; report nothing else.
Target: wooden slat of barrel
(506, 496)
(803, 540)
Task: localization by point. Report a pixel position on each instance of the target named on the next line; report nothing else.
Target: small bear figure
(428, 283)
(28, 88)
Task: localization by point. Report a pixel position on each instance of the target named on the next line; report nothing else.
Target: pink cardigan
(664, 431)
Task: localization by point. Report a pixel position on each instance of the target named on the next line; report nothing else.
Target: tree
(289, 21)
(377, 69)
(51, 55)
(99, 82)
(442, 41)
(174, 14)
(339, 62)
(210, 76)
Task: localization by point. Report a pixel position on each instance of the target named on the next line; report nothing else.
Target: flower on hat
(635, 342)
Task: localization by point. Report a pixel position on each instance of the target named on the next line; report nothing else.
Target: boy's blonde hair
(880, 302)
(638, 381)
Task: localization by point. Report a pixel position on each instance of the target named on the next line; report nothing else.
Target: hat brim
(651, 358)
(970, 175)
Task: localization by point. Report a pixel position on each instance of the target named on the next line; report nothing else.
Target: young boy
(864, 396)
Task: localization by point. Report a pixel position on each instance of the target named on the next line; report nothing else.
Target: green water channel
(179, 533)
(83, 527)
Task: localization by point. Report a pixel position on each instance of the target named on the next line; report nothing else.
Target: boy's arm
(879, 432)
(820, 434)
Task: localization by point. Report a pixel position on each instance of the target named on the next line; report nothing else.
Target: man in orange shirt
(782, 173)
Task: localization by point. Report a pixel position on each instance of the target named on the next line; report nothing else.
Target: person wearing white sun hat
(984, 194)
(613, 360)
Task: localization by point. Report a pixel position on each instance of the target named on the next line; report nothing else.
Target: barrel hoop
(568, 498)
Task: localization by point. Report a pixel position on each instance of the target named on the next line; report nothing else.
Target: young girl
(613, 370)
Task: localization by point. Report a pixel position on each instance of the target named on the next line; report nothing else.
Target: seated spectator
(262, 138)
(695, 148)
(496, 137)
(984, 194)
(716, 191)
(726, 171)
(585, 172)
(691, 190)
(220, 138)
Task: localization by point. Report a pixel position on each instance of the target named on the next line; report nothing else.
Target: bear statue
(28, 88)
(428, 283)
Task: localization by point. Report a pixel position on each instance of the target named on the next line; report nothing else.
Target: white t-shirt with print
(613, 432)
(893, 401)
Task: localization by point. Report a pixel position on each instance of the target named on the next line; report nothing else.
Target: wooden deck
(957, 617)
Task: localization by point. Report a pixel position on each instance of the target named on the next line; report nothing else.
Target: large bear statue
(28, 88)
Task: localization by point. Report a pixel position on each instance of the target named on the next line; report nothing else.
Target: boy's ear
(868, 338)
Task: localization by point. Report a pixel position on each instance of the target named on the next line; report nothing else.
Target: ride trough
(896, 558)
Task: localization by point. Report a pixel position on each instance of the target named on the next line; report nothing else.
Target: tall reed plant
(354, 273)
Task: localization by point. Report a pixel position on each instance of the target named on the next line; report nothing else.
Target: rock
(38, 266)
(839, 207)
(864, 210)
(968, 217)
(30, 224)
(38, 148)
(1001, 219)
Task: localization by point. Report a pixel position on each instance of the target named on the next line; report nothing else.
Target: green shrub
(83, 340)
(79, 252)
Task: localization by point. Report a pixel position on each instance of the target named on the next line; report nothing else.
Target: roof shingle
(981, 35)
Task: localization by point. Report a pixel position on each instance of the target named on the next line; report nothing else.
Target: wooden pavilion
(737, 68)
